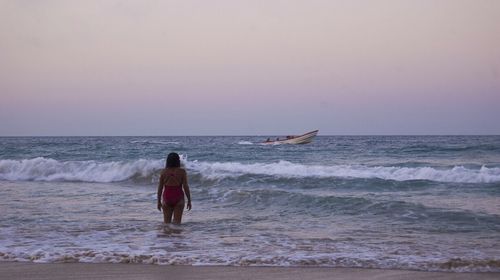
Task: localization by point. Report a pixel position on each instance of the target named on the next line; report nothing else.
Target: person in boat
(172, 186)
(268, 140)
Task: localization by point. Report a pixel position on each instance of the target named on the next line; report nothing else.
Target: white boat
(300, 139)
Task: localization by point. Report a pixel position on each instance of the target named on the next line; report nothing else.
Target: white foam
(46, 169)
(285, 169)
(245, 143)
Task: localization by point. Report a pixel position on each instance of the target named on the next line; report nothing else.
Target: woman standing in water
(173, 180)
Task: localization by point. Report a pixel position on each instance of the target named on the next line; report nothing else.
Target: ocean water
(429, 203)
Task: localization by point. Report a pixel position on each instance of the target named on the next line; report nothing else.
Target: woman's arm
(160, 190)
(185, 186)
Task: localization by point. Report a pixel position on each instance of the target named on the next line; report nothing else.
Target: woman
(173, 180)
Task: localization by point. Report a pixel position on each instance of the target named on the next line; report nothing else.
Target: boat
(300, 139)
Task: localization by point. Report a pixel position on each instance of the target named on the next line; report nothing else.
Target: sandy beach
(54, 271)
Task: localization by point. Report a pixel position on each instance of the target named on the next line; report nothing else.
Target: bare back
(172, 176)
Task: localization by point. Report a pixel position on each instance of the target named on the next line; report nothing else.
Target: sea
(428, 203)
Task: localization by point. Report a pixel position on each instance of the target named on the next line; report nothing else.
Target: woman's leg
(167, 213)
(178, 209)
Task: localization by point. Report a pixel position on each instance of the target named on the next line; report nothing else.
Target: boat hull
(301, 139)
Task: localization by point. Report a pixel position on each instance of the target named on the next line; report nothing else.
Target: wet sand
(55, 271)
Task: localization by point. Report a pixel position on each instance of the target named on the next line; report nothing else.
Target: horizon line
(240, 135)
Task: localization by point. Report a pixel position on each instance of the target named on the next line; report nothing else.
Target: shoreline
(55, 271)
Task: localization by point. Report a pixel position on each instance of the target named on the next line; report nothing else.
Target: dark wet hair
(173, 160)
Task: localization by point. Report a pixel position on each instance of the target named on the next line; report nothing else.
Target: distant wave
(154, 142)
(245, 143)
(47, 169)
(426, 148)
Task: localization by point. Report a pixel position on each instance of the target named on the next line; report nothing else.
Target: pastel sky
(249, 67)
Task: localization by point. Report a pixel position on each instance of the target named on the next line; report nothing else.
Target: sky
(77, 68)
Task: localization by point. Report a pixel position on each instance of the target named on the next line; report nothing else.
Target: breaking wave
(285, 169)
(47, 169)
(291, 260)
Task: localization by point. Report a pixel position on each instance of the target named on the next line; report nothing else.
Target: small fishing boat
(300, 139)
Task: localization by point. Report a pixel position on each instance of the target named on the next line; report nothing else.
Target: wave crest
(47, 169)
(285, 169)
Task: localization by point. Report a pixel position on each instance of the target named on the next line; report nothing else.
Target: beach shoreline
(29, 270)
(416, 203)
